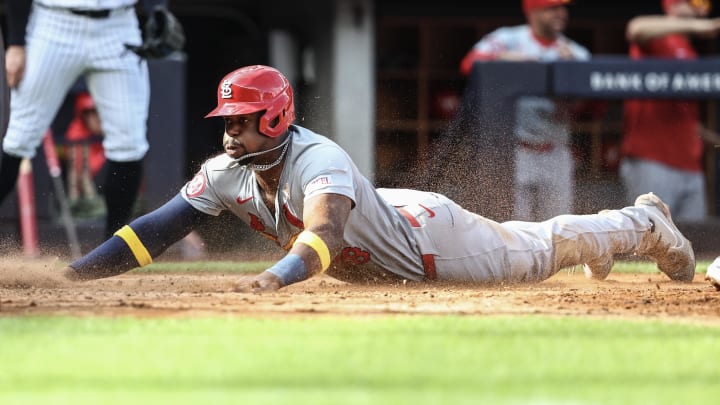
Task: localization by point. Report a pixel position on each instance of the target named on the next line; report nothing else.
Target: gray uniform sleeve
(200, 193)
(332, 173)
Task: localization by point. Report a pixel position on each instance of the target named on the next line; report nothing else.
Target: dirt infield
(29, 288)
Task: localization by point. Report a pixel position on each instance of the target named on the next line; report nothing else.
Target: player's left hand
(264, 281)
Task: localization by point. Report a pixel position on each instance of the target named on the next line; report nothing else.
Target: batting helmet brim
(229, 109)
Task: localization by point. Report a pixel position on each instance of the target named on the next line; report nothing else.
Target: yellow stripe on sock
(136, 247)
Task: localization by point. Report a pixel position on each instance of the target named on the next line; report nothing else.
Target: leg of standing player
(683, 191)
(556, 195)
(525, 198)
(119, 84)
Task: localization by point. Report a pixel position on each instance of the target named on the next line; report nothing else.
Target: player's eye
(231, 121)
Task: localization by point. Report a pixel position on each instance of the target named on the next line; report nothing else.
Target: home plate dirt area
(30, 288)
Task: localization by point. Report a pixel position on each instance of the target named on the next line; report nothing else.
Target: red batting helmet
(256, 88)
(530, 5)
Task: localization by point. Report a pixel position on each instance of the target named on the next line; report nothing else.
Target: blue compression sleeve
(290, 269)
(156, 231)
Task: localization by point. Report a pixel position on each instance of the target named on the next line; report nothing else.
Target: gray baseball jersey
(407, 234)
(376, 236)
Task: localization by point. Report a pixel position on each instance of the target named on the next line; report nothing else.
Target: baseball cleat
(664, 243)
(599, 268)
(713, 274)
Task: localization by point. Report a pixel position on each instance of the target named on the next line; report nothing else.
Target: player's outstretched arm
(642, 29)
(135, 245)
(324, 217)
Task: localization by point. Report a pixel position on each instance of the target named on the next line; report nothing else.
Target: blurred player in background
(663, 140)
(302, 191)
(85, 157)
(544, 167)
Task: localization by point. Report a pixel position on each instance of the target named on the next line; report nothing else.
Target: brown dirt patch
(30, 288)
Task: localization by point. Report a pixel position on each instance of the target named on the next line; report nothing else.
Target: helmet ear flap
(278, 116)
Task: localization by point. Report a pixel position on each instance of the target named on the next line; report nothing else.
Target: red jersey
(665, 131)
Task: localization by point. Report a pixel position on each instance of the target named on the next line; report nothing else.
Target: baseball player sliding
(51, 43)
(302, 191)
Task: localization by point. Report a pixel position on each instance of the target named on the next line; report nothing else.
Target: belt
(537, 147)
(97, 13)
(428, 261)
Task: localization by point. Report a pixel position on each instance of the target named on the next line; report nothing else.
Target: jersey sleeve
(487, 48)
(332, 173)
(200, 193)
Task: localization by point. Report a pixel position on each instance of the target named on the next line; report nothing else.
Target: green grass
(211, 266)
(389, 360)
(631, 266)
(620, 266)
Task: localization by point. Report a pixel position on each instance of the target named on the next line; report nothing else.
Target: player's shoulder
(306, 141)
(511, 31)
(312, 153)
(223, 166)
(507, 36)
(218, 162)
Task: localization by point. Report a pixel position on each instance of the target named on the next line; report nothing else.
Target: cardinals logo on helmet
(225, 89)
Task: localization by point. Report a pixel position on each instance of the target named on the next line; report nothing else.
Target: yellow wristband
(136, 247)
(318, 245)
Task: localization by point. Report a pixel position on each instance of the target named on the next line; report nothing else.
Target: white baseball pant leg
(118, 81)
(471, 248)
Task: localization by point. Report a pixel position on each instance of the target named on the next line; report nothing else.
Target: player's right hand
(14, 65)
(264, 281)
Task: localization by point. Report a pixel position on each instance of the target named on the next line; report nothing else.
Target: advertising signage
(627, 78)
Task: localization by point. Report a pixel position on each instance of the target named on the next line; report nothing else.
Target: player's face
(552, 21)
(242, 136)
